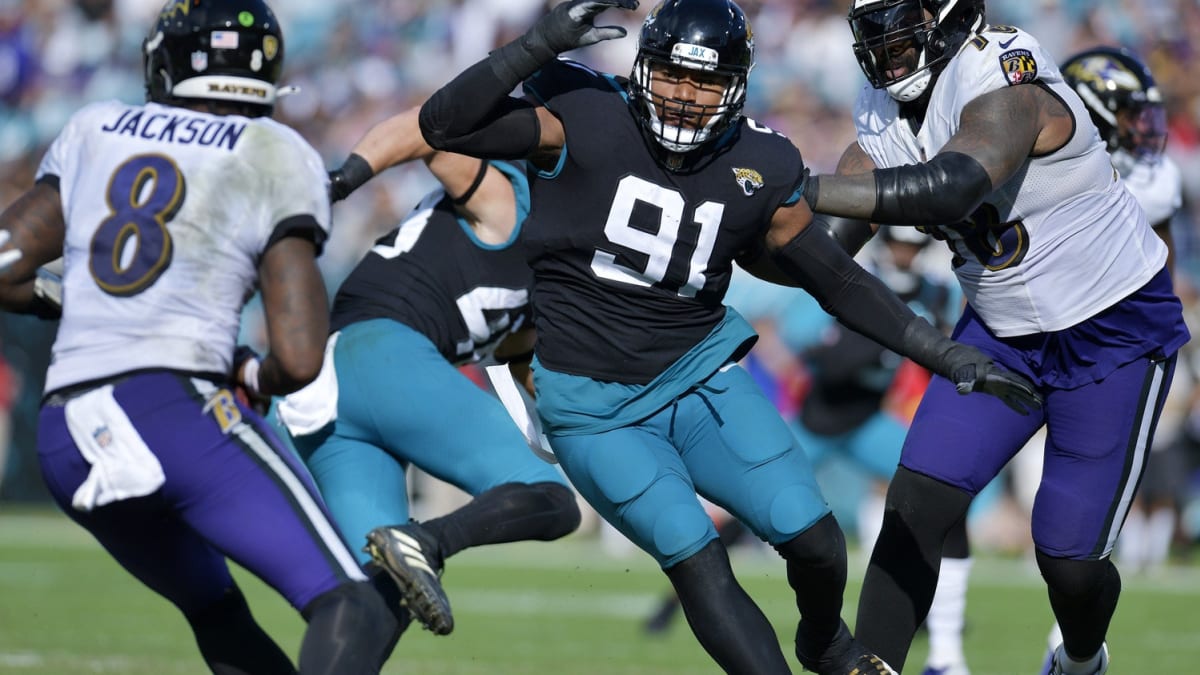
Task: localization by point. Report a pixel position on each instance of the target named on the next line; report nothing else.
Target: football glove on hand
(569, 26)
(245, 376)
(972, 370)
(349, 177)
(48, 290)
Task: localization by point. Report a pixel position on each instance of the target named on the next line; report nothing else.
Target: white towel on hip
(308, 410)
(123, 466)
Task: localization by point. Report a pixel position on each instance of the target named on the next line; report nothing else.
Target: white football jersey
(168, 212)
(1157, 187)
(1062, 239)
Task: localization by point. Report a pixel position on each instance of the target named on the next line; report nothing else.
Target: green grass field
(563, 608)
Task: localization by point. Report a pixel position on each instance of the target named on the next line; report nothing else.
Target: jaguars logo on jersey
(1019, 66)
(749, 180)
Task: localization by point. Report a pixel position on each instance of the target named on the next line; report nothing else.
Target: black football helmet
(217, 50)
(712, 36)
(902, 45)
(1123, 100)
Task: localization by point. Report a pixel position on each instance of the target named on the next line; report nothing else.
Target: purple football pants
(231, 490)
(1104, 382)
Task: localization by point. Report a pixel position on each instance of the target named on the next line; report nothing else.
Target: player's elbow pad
(850, 234)
(946, 189)
(505, 128)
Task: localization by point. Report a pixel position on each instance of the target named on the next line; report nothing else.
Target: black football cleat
(843, 655)
(410, 556)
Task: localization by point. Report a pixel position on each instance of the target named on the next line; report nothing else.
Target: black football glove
(569, 25)
(349, 177)
(972, 370)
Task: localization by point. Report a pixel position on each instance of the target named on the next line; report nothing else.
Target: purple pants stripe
(1154, 395)
(231, 491)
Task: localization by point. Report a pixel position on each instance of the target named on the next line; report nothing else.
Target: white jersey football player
(168, 215)
(970, 132)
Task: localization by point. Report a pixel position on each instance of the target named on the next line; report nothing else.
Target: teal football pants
(722, 439)
(400, 403)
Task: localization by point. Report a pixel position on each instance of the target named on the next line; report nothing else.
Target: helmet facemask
(902, 45)
(683, 126)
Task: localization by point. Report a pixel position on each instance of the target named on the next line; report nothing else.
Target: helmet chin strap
(911, 87)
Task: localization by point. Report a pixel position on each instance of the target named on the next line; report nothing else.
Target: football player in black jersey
(445, 288)
(648, 190)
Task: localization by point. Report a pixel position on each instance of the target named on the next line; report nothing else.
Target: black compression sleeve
(850, 234)
(474, 115)
(946, 189)
(863, 303)
(844, 288)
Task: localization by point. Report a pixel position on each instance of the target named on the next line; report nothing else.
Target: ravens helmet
(709, 36)
(902, 45)
(215, 50)
(1123, 100)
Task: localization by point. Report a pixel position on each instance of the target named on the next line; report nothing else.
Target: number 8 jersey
(167, 212)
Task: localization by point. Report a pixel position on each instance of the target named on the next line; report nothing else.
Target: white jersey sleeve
(168, 212)
(1157, 187)
(1059, 242)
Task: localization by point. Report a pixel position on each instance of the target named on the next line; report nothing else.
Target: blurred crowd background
(358, 62)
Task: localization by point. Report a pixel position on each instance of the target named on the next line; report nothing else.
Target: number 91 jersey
(167, 212)
(632, 259)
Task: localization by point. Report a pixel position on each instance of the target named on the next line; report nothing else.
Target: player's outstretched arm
(32, 230)
(864, 304)
(395, 140)
(997, 132)
(474, 113)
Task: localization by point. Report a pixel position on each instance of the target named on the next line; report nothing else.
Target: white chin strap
(227, 88)
(910, 88)
(684, 140)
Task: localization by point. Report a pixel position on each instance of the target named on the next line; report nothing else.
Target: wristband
(249, 375)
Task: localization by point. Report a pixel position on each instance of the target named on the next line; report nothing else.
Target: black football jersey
(433, 275)
(631, 259)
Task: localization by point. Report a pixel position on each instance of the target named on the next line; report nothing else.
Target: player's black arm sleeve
(861, 301)
(473, 114)
(851, 234)
(946, 189)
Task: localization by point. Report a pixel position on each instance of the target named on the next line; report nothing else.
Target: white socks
(870, 521)
(946, 615)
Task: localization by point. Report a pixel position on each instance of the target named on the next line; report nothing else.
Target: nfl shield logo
(199, 61)
(270, 47)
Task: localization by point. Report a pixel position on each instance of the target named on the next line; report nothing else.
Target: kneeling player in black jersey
(649, 189)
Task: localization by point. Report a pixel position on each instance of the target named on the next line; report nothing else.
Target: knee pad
(354, 612)
(561, 504)
(822, 545)
(1077, 578)
(916, 498)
